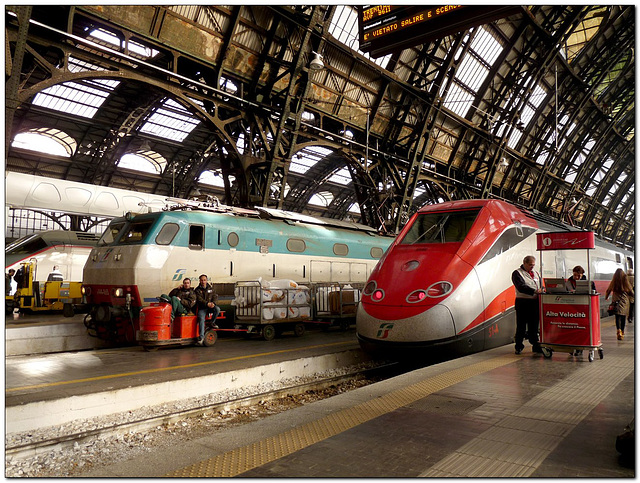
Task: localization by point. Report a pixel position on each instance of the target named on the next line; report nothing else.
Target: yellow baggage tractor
(33, 296)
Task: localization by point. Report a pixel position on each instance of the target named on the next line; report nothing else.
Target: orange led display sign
(387, 28)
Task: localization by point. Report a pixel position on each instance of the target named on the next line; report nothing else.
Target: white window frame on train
(296, 245)
(340, 249)
(167, 233)
(196, 237)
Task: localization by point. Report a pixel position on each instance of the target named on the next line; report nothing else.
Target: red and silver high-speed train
(444, 285)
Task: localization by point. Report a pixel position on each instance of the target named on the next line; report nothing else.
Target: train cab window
(296, 245)
(196, 237)
(31, 244)
(376, 252)
(167, 234)
(137, 232)
(618, 258)
(233, 239)
(111, 234)
(509, 239)
(440, 227)
(340, 249)
(629, 263)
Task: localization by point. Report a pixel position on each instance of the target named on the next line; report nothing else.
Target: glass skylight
(145, 161)
(342, 176)
(170, 121)
(46, 140)
(472, 72)
(323, 198)
(354, 208)
(135, 48)
(306, 158)
(344, 27)
(214, 178)
(75, 98)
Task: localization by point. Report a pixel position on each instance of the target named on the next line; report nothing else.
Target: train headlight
(369, 288)
(439, 289)
(416, 296)
(118, 292)
(377, 295)
(86, 290)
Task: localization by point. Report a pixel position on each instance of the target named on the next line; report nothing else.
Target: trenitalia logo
(383, 331)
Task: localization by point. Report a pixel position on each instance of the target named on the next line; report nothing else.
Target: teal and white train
(144, 255)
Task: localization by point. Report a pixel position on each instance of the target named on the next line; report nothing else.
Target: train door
(629, 265)
(358, 272)
(339, 271)
(320, 271)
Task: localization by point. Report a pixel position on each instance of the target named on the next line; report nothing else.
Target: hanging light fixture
(316, 62)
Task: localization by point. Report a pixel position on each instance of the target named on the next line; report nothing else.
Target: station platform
(491, 414)
(51, 389)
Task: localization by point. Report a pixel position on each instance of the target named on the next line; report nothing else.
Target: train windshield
(28, 244)
(443, 227)
(111, 233)
(136, 232)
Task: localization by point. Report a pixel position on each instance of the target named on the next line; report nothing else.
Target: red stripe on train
(497, 306)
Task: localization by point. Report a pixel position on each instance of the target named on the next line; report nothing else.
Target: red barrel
(155, 323)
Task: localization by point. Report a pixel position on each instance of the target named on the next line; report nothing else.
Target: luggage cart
(269, 311)
(570, 322)
(336, 303)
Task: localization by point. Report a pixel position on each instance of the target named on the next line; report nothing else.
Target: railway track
(72, 440)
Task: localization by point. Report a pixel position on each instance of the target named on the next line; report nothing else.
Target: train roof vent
(539, 216)
(82, 236)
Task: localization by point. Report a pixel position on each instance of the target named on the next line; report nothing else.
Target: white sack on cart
(282, 284)
(304, 311)
(293, 312)
(298, 297)
(279, 312)
(269, 295)
(267, 313)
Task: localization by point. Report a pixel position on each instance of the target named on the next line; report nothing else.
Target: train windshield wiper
(440, 231)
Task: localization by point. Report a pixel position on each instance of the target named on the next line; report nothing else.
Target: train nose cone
(431, 325)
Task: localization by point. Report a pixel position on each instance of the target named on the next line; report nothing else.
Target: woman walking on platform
(622, 292)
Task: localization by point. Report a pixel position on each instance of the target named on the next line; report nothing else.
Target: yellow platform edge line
(237, 461)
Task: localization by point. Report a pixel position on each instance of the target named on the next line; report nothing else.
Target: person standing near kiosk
(528, 286)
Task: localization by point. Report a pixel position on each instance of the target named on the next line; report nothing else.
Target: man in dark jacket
(206, 299)
(183, 298)
(528, 286)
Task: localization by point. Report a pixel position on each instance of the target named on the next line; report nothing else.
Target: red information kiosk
(569, 321)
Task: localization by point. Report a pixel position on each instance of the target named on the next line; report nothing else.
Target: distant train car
(67, 249)
(140, 257)
(444, 285)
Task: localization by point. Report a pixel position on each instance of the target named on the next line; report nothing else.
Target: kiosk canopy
(566, 240)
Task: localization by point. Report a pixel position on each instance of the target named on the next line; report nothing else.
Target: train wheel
(547, 352)
(210, 338)
(150, 348)
(298, 330)
(67, 310)
(268, 332)
(344, 325)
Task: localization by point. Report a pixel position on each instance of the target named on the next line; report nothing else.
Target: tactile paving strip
(243, 459)
(517, 445)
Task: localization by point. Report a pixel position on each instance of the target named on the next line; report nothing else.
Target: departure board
(387, 28)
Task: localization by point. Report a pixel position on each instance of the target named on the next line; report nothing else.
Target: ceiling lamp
(316, 62)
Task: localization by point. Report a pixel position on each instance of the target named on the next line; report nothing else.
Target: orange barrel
(155, 323)
(185, 327)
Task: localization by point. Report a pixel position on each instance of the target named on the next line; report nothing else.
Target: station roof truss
(537, 108)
